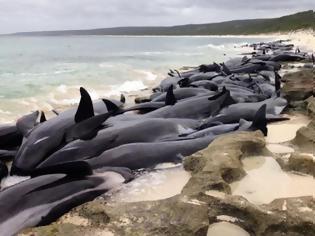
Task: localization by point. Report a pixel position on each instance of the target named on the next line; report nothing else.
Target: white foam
(148, 75)
(62, 88)
(106, 65)
(131, 85)
(5, 112)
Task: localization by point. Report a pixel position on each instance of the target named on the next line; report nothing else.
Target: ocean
(43, 73)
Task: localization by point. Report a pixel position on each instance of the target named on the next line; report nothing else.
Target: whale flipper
(85, 108)
(86, 129)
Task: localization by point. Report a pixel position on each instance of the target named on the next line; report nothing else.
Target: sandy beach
(305, 39)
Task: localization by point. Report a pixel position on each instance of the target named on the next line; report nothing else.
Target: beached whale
(145, 107)
(50, 135)
(194, 108)
(182, 93)
(7, 155)
(259, 123)
(206, 84)
(147, 130)
(3, 171)
(144, 155)
(274, 105)
(208, 68)
(10, 137)
(202, 76)
(247, 111)
(42, 200)
(207, 101)
(287, 57)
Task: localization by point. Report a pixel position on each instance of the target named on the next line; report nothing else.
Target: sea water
(46, 72)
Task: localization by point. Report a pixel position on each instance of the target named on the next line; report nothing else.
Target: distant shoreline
(299, 21)
(155, 36)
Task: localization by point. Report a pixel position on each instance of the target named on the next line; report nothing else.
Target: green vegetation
(301, 20)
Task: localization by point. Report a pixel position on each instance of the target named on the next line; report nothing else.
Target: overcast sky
(33, 15)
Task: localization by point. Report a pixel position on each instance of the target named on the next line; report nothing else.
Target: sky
(38, 15)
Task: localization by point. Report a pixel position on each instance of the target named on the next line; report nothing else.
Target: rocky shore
(206, 204)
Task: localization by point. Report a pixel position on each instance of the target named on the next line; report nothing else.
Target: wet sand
(226, 229)
(159, 184)
(285, 131)
(266, 181)
(279, 149)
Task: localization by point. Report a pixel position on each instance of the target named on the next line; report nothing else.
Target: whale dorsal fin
(277, 83)
(260, 121)
(225, 69)
(26, 123)
(170, 97)
(85, 108)
(212, 98)
(111, 107)
(42, 117)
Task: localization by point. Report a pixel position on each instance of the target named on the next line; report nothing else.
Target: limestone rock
(205, 200)
(305, 138)
(311, 106)
(302, 163)
(299, 85)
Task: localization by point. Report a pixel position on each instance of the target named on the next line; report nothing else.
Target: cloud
(32, 15)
